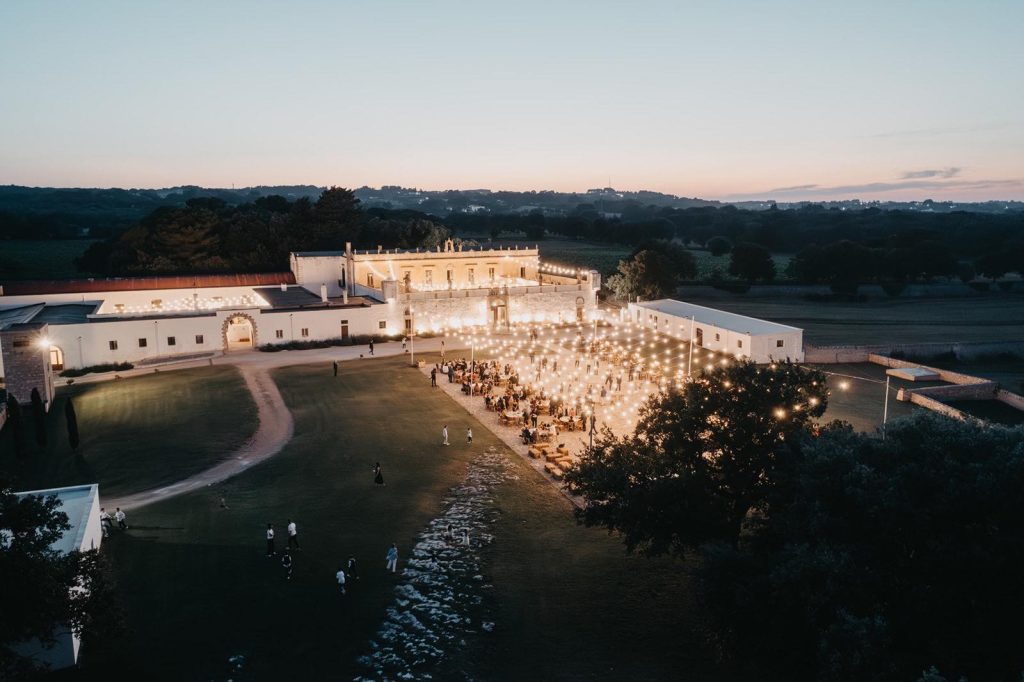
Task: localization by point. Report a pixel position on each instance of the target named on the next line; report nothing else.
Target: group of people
(107, 523)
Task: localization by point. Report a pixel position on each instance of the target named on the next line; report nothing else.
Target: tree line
(207, 235)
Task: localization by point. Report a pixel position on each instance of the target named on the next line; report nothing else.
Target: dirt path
(276, 425)
(274, 431)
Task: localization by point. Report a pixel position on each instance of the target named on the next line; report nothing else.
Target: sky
(741, 99)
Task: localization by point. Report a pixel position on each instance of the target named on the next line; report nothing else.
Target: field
(707, 263)
(137, 433)
(47, 259)
(534, 594)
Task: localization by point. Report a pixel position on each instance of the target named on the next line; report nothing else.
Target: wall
(761, 348)
(312, 271)
(325, 323)
(27, 364)
(136, 301)
(1011, 399)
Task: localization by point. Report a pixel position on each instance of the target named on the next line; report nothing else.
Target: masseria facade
(326, 294)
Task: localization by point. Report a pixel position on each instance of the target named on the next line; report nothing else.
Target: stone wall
(1011, 399)
(27, 363)
(937, 406)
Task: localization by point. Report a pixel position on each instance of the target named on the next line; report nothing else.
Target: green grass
(137, 433)
(568, 604)
(995, 317)
(862, 403)
(43, 259)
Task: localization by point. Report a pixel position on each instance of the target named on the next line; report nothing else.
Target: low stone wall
(944, 374)
(985, 390)
(1011, 399)
(936, 406)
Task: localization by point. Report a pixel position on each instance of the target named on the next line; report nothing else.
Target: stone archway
(238, 332)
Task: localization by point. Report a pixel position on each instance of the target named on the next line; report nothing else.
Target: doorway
(56, 359)
(239, 334)
(698, 337)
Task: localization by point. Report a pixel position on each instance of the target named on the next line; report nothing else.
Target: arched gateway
(239, 332)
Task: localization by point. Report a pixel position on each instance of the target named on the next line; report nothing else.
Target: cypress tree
(72, 418)
(39, 417)
(14, 422)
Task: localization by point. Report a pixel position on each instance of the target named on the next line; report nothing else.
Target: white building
(81, 503)
(327, 294)
(737, 335)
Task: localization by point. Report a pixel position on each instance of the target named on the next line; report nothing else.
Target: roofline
(717, 310)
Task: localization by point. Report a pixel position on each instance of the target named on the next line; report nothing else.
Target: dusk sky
(742, 99)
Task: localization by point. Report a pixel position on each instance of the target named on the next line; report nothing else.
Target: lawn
(565, 602)
(993, 317)
(137, 433)
(862, 403)
(43, 259)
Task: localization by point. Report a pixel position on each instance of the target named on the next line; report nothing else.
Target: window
(490, 274)
(199, 339)
(113, 345)
(428, 278)
(470, 276)
(21, 343)
(279, 333)
(156, 303)
(171, 341)
(369, 279)
(305, 331)
(718, 337)
(739, 343)
(408, 326)
(779, 343)
(449, 274)
(143, 343)
(382, 324)
(522, 273)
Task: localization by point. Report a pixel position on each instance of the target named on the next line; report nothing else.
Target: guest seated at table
(527, 437)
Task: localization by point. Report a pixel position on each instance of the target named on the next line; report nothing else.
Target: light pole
(291, 325)
(689, 359)
(156, 335)
(885, 405)
(81, 360)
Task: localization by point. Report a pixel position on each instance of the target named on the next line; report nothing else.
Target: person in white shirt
(286, 561)
(120, 518)
(340, 576)
(293, 535)
(270, 540)
(444, 434)
(392, 558)
(469, 435)
(105, 522)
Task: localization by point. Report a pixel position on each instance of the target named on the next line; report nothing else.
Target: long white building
(336, 294)
(721, 331)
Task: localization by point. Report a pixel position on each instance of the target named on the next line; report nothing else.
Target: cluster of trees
(653, 270)
(825, 554)
(207, 235)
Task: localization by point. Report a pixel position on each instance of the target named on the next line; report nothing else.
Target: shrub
(97, 369)
(356, 340)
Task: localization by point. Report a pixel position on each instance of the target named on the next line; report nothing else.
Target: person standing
(392, 558)
(120, 518)
(353, 572)
(444, 434)
(433, 377)
(105, 522)
(465, 537)
(469, 435)
(371, 346)
(293, 535)
(378, 475)
(286, 561)
(335, 368)
(451, 374)
(340, 577)
(270, 540)
(405, 340)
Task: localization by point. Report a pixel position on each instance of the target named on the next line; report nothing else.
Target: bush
(96, 369)
(355, 340)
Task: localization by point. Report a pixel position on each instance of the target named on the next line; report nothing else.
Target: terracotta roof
(75, 286)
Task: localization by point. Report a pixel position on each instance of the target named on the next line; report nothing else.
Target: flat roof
(68, 313)
(318, 254)
(76, 502)
(717, 318)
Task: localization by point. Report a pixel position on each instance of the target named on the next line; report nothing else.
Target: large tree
(44, 589)
(703, 459)
(874, 560)
(648, 275)
(751, 262)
